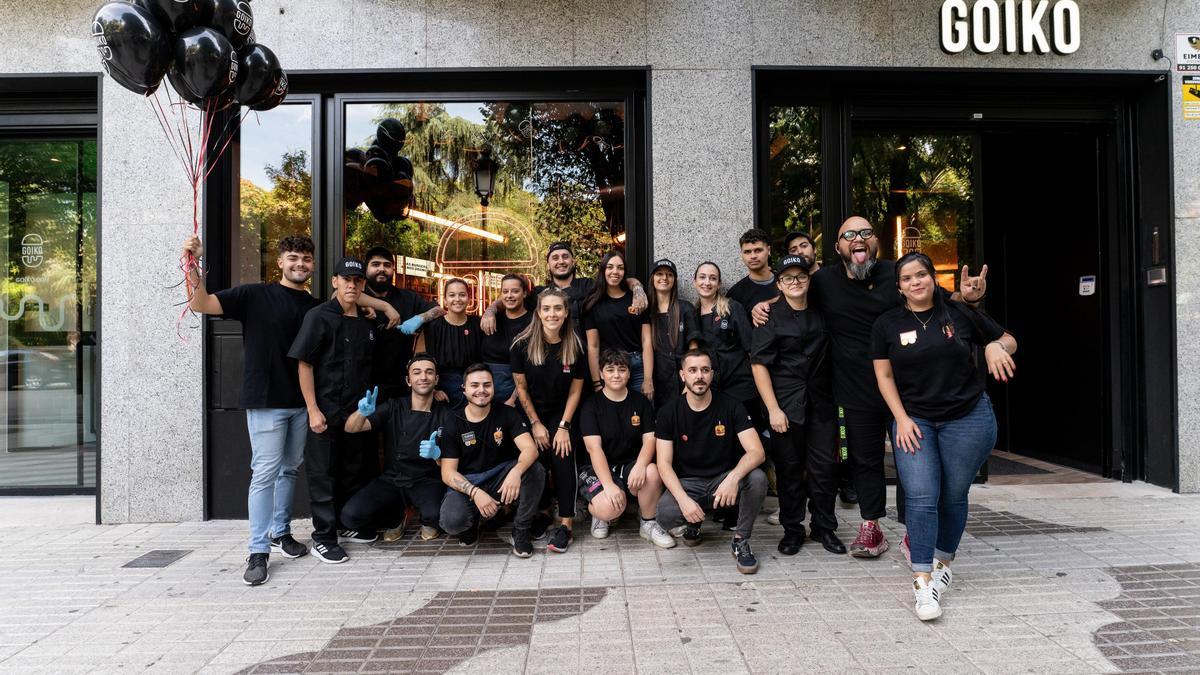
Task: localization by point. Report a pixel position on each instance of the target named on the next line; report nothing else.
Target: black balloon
(401, 165)
(258, 74)
(354, 189)
(356, 156)
(181, 87)
(390, 135)
(380, 152)
(391, 203)
(278, 94)
(234, 20)
(179, 15)
(205, 62)
(134, 48)
(379, 167)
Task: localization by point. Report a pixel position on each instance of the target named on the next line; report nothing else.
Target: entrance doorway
(1059, 181)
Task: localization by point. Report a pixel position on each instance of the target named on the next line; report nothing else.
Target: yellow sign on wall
(1191, 97)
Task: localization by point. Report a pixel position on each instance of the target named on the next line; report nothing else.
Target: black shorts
(589, 483)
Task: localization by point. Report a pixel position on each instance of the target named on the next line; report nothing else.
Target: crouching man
(708, 454)
(489, 460)
(409, 424)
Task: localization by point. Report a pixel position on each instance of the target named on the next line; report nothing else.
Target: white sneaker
(652, 531)
(676, 531)
(941, 577)
(926, 595)
(599, 528)
(773, 519)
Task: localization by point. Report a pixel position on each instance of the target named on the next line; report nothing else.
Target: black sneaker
(560, 539)
(691, 534)
(256, 570)
(356, 537)
(287, 546)
(541, 523)
(746, 562)
(469, 536)
(522, 544)
(329, 553)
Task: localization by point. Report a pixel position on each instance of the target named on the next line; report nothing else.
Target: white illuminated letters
(1010, 26)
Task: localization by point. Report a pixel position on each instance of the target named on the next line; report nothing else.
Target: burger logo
(32, 254)
(102, 43)
(243, 23)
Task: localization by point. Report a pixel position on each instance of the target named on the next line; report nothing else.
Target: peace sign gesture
(366, 404)
(973, 288)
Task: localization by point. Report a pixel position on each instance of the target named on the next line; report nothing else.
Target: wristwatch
(565, 425)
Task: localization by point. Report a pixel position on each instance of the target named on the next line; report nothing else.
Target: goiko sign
(1010, 26)
(32, 254)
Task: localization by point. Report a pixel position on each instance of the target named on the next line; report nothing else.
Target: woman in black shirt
(724, 329)
(548, 366)
(925, 355)
(672, 322)
(509, 324)
(453, 340)
(610, 322)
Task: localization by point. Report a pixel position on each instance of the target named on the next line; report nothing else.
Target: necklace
(924, 324)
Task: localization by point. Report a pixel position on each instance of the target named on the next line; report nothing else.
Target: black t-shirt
(749, 292)
(794, 346)
(682, 329)
(730, 338)
(705, 442)
(576, 292)
(480, 446)
(618, 328)
(495, 347)
(935, 366)
(550, 383)
(340, 348)
(619, 424)
(393, 348)
(454, 347)
(271, 315)
(403, 431)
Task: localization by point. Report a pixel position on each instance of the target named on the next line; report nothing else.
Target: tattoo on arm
(463, 485)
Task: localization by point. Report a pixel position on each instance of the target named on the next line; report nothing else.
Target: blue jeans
(502, 381)
(637, 374)
(451, 382)
(277, 438)
(937, 478)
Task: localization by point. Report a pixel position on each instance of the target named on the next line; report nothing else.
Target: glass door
(48, 328)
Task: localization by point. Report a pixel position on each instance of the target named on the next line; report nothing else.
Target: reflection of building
(480, 271)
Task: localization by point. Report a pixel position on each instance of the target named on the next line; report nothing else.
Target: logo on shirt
(468, 438)
(371, 335)
(948, 330)
(498, 435)
(636, 420)
(466, 331)
(908, 338)
(683, 437)
(719, 430)
(724, 324)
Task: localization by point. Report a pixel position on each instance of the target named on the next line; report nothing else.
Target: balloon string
(236, 123)
(160, 115)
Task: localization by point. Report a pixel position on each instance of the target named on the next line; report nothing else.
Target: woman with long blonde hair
(549, 366)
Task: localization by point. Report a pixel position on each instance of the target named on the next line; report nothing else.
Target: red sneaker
(904, 549)
(870, 542)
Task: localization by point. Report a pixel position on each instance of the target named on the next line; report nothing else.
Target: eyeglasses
(865, 233)
(792, 279)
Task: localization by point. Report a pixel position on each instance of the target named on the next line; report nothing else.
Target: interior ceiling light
(465, 229)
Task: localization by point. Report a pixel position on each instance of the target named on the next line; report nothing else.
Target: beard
(379, 286)
(860, 272)
(563, 277)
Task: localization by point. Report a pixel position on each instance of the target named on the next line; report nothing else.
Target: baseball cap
(349, 267)
(559, 246)
(787, 241)
(664, 262)
(789, 261)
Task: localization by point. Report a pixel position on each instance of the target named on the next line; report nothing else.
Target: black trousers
(337, 465)
(562, 471)
(865, 434)
(805, 473)
(381, 504)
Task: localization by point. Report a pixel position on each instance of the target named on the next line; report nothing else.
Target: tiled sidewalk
(1092, 577)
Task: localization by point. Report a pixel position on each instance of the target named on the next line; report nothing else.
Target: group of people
(602, 392)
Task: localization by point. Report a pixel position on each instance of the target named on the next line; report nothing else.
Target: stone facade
(700, 53)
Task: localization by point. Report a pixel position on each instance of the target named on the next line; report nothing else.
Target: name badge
(908, 338)
(468, 438)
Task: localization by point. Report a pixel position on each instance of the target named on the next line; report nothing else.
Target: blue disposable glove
(429, 449)
(366, 404)
(412, 325)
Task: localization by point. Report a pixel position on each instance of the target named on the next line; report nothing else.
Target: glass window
(918, 192)
(794, 163)
(410, 184)
(48, 300)
(275, 188)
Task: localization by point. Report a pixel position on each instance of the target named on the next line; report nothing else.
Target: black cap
(350, 267)
(559, 246)
(664, 262)
(797, 235)
(789, 261)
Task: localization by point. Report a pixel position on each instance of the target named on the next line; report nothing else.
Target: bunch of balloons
(207, 52)
(379, 175)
